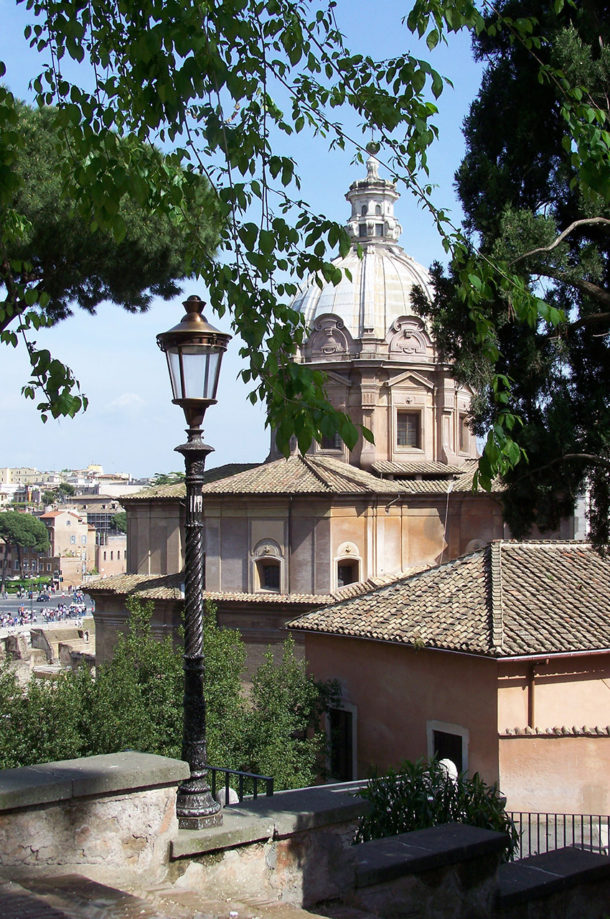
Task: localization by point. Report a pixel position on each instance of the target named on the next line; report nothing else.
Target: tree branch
(590, 221)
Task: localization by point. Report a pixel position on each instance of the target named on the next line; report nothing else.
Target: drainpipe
(531, 704)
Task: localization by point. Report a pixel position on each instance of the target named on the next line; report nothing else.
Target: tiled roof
(169, 587)
(308, 475)
(507, 600)
(146, 586)
(416, 467)
(178, 489)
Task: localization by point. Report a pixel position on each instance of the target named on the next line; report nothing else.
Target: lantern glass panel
(194, 371)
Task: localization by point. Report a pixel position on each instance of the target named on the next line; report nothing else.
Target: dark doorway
(341, 741)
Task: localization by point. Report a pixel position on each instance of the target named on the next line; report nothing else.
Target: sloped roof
(177, 490)
(308, 475)
(169, 587)
(507, 600)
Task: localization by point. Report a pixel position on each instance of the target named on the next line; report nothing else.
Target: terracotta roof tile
(307, 475)
(507, 600)
(169, 587)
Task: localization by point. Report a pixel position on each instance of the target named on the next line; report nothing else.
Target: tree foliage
(119, 522)
(54, 257)
(22, 531)
(537, 208)
(223, 86)
(226, 88)
(135, 702)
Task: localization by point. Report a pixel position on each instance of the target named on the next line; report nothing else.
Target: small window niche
(408, 429)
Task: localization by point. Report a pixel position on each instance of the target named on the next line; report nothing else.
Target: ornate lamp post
(194, 351)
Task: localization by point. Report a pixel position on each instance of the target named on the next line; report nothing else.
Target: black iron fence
(539, 833)
(247, 782)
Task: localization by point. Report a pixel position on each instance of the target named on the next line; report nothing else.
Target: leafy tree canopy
(119, 522)
(24, 530)
(54, 257)
(535, 209)
(223, 86)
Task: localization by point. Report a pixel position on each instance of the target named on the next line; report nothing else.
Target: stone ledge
(49, 783)
(543, 875)
(283, 814)
(383, 860)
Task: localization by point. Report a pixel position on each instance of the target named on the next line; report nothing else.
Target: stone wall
(107, 817)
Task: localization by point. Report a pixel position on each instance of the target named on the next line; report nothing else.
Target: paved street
(12, 605)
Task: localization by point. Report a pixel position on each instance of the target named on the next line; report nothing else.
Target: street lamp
(194, 351)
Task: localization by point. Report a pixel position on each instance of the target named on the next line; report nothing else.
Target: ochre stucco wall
(397, 690)
(556, 774)
(571, 692)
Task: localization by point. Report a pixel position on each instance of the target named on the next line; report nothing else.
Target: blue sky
(131, 425)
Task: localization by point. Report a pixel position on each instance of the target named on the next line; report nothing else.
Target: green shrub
(135, 702)
(420, 795)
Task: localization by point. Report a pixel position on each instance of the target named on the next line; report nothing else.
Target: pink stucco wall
(396, 691)
(556, 774)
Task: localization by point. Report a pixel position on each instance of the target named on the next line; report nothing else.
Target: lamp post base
(196, 809)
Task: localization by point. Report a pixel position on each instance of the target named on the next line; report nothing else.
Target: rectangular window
(378, 229)
(111, 555)
(270, 575)
(362, 230)
(408, 429)
(331, 443)
(448, 746)
(73, 540)
(104, 556)
(83, 540)
(118, 554)
(347, 573)
(464, 433)
(448, 741)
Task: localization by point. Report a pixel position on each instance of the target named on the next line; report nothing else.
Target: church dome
(379, 292)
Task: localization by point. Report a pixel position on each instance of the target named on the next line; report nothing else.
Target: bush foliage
(135, 703)
(420, 795)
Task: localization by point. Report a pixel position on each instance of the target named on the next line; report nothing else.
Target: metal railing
(247, 782)
(543, 832)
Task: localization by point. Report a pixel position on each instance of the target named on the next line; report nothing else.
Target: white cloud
(126, 402)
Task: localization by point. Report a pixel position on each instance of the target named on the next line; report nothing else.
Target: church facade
(293, 534)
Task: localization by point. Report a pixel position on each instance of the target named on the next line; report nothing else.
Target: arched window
(378, 210)
(364, 210)
(267, 568)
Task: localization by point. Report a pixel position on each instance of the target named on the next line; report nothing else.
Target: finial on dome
(372, 168)
(372, 164)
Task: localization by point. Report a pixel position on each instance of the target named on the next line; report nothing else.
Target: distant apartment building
(99, 510)
(19, 475)
(72, 544)
(111, 555)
